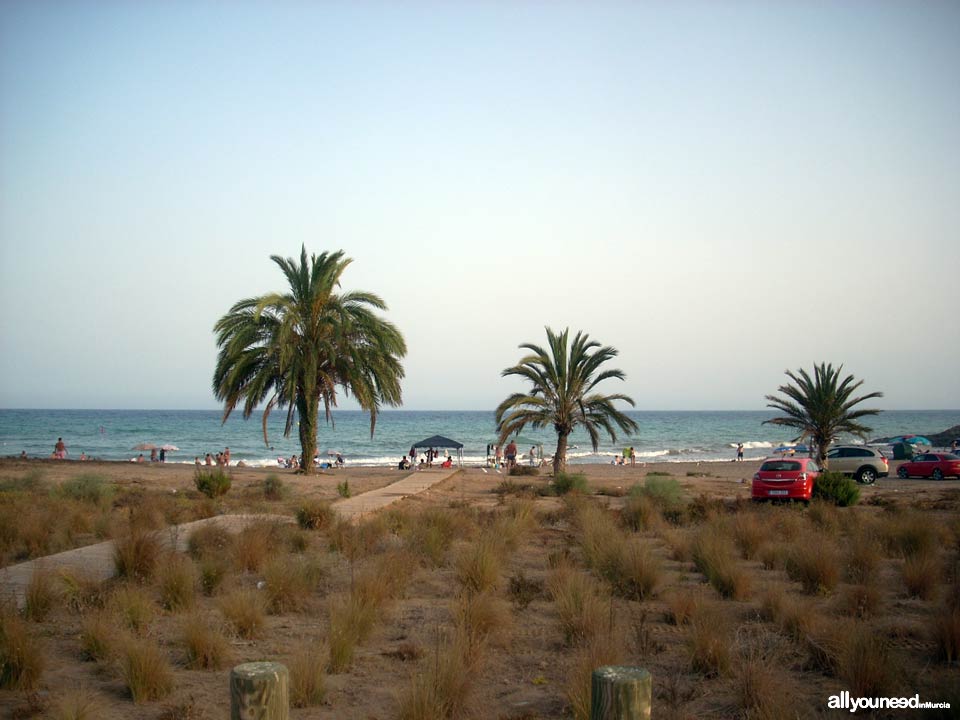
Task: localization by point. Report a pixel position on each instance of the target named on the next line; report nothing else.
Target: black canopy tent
(439, 441)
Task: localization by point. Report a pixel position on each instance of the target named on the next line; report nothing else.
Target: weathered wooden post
(260, 691)
(618, 692)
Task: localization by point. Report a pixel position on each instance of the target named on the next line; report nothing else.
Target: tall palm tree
(821, 407)
(293, 350)
(563, 377)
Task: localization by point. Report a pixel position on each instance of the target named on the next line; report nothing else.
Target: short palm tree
(821, 407)
(293, 350)
(563, 377)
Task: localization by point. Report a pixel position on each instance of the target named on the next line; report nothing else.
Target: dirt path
(96, 561)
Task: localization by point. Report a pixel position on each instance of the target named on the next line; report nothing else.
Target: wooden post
(618, 692)
(260, 691)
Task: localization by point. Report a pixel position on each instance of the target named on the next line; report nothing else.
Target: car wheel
(866, 476)
(902, 474)
(937, 474)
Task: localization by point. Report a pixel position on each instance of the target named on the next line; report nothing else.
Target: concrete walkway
(96, 561)
(354, 508)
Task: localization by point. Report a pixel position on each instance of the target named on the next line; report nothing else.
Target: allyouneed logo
(843, 701)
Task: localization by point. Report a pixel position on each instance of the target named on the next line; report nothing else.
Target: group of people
(424, 460)
(295, 462)
(221, 459)
(629, 456)
(510, 456)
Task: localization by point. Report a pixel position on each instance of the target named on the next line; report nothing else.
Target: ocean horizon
(664, 436)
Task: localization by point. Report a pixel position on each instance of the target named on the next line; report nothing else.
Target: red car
(932, 465)
(785, 479)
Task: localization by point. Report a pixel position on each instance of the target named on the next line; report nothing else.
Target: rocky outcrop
(941, 439)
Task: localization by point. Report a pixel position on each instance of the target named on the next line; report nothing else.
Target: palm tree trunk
(308, 434)
(560, 456)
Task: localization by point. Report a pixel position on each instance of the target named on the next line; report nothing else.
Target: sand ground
(525, 675)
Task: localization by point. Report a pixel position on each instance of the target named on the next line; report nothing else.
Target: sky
(721, 191)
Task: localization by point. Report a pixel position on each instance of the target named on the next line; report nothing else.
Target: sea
(664, 436)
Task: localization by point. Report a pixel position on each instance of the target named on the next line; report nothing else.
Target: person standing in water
(739, 452)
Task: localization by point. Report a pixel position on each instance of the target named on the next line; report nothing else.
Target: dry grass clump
(524, 590)
(640, 513)
(244, 610)
(212, 571)
(477, 564)
(441, 688)
(41, 595)
(78, 704)
(132, 606)
(680, 543)
(349, 621)
(714, 556)
(795, 615)
(860, 601)
(307, 680)
(135, 554)
(771, 555)
(289, 583)
(682, 605)
(177, 583)
(210, 540)
(205, 645)
(709, 642)
(922, 572)
(909, 533)
(750, 531)
(946, 630)
(606, 648)
(254, 544)
(583, 613)
(764, 690)
(145, 670)
(826, 517)
(815, 563)
(22, 657)
(97, 637)
(862, 559)
(627, 564)
(315, 514)
(430, 535)
(481, 616)
(355, 541)
(637, 573)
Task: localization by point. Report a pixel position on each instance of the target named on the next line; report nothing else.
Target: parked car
(864, 464)
(932, 465)
(785, 479)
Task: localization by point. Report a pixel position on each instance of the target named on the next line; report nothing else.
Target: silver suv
(865, 464)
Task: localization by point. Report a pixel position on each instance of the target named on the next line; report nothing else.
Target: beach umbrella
(911, 439)
(145, 446)
(169, 448)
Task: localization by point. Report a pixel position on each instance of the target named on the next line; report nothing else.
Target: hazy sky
(722, 191)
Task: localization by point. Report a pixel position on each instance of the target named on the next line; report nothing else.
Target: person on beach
(533, 455)
(163, 455)
(447, 463)
(633, 457)
(208, 460)
(140, 458)
(23, 455)
(226, 457)
(60, 449)
(511, 455)
(196, 460)
(497, 456)
(339, 460)
(83, 456)
(153, 455)
(739, 452)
